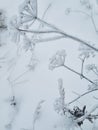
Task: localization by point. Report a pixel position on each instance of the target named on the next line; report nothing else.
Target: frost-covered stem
(82, 67)
(95, 97)
(87, 114)
(58, 31)
(95, 72)
(11, 85)
(44, 14)
(33, 125)
(37, 113)
(19, 76)
(80, 11)
(93, 22)
(84, 77)
(90, 16)
(35, 31)
(67, 35)
(49, 39)
(88, 92)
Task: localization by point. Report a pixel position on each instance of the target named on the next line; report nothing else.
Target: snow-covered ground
(41, 84)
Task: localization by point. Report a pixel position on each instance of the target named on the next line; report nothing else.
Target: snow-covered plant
(57, 60)
(13, 101)
(86, 51)
(33, 63)
(93, 86)
(22, 25)
(59, 105)
(37, 113)
(3, 23)
(15, 33)
(28, 44)
(93, 68)
(28, 11)
(76, 115)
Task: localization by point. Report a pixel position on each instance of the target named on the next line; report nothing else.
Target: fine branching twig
(80, 96)
(83, 76)
(58, 31)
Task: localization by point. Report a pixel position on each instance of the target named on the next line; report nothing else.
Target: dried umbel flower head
(93, 68)
(57, 60)
(93, 86)
(28, 11)
(3, 23)
(86, 52)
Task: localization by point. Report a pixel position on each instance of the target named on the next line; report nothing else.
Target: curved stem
(35, 31)
(67, 35)
(58, 31)
(48, 39)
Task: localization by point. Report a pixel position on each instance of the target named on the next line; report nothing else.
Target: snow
(40, 83)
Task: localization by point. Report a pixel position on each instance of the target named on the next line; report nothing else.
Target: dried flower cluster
(57, 60)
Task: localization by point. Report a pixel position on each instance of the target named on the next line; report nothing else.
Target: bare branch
(68, 35)
(88, 92)
(72, 70)
(58, 31)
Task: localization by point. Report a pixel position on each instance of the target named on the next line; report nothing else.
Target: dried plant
(3, 21)
(37, 113)
(57, 60)
(77, 115)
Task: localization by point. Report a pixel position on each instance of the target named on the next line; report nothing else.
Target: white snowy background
(42, 83)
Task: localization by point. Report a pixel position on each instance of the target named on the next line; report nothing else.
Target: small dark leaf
(84, 108)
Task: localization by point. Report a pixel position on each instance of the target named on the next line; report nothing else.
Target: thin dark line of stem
(67, 35)
(48, 39)
(59, 31)
(82, 67)
(35, 31)
(88, 92)
(84, 77)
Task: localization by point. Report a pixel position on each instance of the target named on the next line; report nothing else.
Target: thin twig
(90, 16)
(88, 92)
(93, 22)
(35, 31)
(72, 70)
(76, 93)
(13, 81)
(48, 39)
(95, 72)
(82, 67)
(79, 11)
